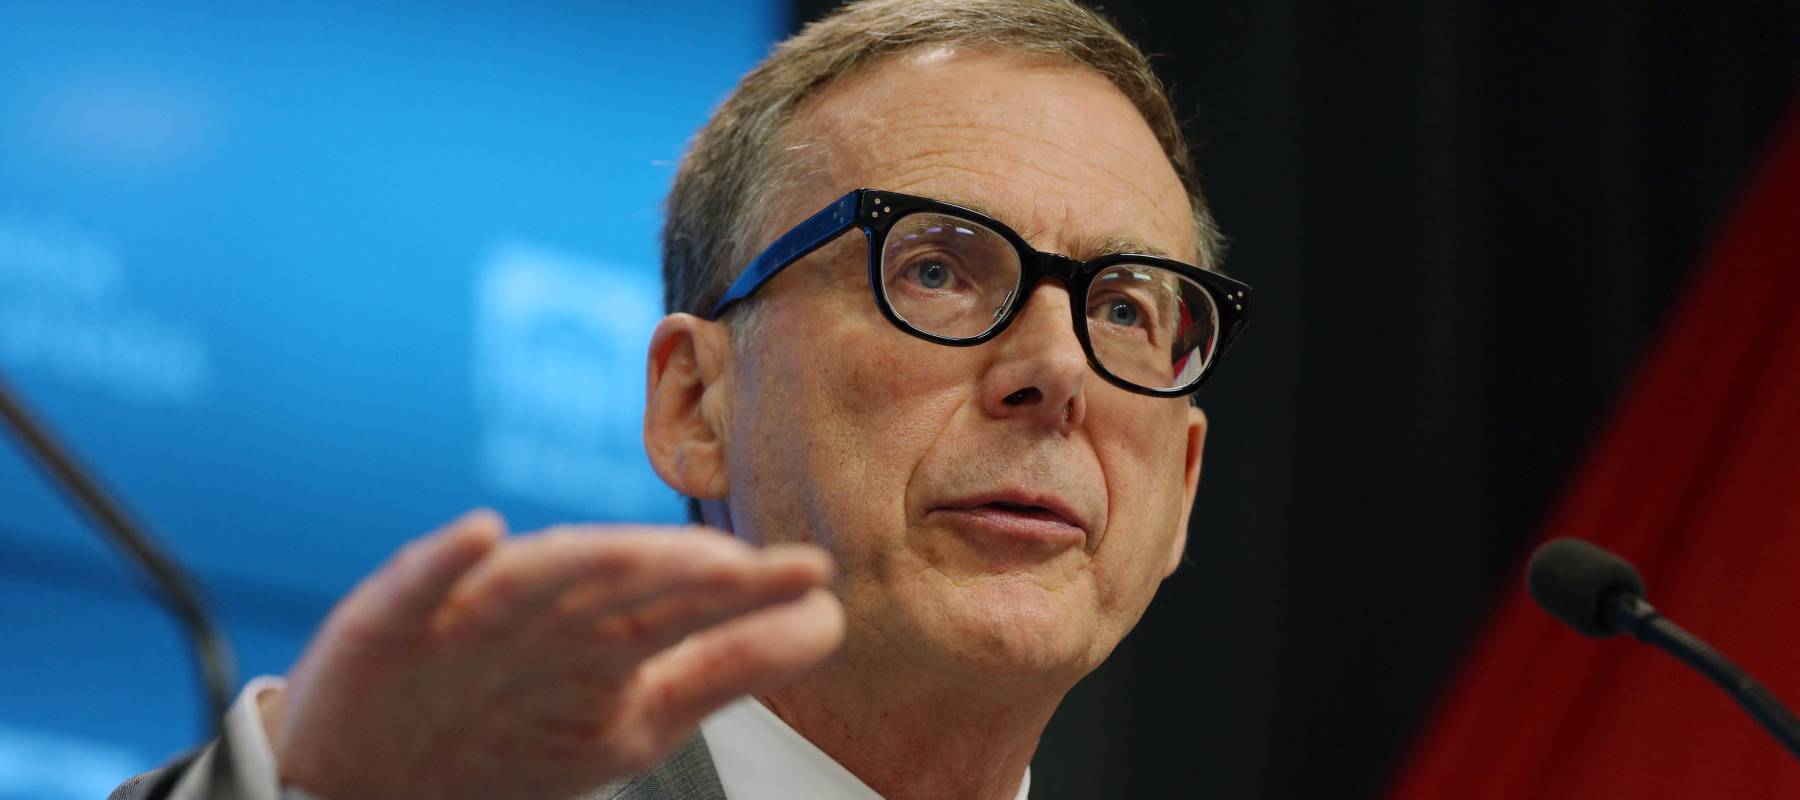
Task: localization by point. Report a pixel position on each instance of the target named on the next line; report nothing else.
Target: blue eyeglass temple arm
(828, 224)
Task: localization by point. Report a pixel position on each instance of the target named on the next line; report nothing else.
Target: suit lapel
(687, 774)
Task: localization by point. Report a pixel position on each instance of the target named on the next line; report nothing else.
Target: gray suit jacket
(687, 774)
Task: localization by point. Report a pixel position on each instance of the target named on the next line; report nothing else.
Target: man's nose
(1039, 370)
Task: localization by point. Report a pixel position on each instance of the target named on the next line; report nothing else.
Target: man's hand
(540, 666)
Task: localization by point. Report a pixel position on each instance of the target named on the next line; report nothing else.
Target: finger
(515, 588)
(592, 656)
(773, 569)
(751, 654)
(612, 637)
(408, 590)
(740, 570)
(580, 675)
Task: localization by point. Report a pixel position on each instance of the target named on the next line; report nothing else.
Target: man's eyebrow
(1103, 245)
(974, 205)
(1117, 243)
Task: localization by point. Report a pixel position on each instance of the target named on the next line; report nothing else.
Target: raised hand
(539, 666)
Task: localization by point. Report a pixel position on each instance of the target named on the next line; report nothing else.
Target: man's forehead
(1050, 149)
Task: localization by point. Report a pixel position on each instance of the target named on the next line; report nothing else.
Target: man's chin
(1009, 626)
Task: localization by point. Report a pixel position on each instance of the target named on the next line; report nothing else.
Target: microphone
(211, 650)
(1599, 595)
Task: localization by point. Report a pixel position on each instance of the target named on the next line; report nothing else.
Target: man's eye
(933, 273)
(1119, 311)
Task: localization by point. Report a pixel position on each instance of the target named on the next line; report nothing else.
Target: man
(953, 466)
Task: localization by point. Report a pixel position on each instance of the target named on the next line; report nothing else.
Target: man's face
(998, 507)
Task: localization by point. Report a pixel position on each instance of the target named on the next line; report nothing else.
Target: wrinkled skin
(484, 666)
(832, 427)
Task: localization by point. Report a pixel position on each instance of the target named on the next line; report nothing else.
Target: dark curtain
(1464, 220)
(1697, 481)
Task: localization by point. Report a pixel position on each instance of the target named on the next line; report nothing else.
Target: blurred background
(303, 283)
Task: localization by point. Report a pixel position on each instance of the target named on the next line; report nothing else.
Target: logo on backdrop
(64, 309)
(559, 381)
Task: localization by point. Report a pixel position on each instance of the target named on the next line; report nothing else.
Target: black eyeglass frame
(874, 211)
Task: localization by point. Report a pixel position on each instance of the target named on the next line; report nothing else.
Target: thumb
(757, 652)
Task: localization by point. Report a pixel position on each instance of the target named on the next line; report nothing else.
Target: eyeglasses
(954, 276)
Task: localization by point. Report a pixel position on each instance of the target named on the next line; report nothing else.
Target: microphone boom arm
(1628, 612)
(178, 593)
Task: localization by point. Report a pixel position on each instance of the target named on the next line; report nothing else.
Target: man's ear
(1196, 446)
(689, 383)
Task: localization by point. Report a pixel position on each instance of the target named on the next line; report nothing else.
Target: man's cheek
(1146, 479)
(882, 361)
(896, 385)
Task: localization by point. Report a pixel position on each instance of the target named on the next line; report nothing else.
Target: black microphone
(1599, 594)
(211, 650)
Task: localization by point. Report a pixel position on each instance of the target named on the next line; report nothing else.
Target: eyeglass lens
(955, 278)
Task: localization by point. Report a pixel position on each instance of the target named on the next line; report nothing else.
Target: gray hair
(735, 165)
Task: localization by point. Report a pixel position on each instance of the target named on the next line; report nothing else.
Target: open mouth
(1043, 520)
(1027, 510)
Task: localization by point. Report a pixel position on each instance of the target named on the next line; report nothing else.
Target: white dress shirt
(757, 756)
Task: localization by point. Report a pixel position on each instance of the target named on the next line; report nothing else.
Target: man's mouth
(1037, 519)
(1028, 510)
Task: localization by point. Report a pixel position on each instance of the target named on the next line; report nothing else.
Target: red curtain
(1697, 481)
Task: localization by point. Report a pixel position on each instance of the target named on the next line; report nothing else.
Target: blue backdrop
(301, 284)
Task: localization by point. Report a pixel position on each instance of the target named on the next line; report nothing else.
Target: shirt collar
(758, 757)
